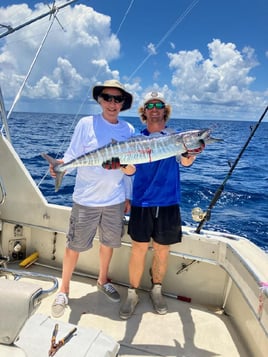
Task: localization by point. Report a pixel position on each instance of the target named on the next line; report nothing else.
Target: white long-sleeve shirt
(95, 186)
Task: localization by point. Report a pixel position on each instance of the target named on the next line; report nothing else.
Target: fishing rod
(206, 216)
(52, 11)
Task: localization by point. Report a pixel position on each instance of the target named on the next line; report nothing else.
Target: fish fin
(178, 158)
(168, 131)
(54, 163)
(211, 140)
(156, 135)
(138, 137)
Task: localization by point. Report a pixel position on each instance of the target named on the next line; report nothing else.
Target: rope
(31, 67)
(124, 17)
(172, 28)
(87, 95)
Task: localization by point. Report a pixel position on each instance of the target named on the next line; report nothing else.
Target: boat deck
(186, 330)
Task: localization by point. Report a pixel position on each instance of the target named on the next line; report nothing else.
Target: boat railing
(18, 275)
(3, 116)
(2, 191)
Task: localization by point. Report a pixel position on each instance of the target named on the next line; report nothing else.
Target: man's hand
(128, 169)
(114, 164)
(194, 152)
(51, 168)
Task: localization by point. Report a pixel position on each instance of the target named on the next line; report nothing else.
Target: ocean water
(242, 207)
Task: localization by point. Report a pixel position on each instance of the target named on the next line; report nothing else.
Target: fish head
(198, 138)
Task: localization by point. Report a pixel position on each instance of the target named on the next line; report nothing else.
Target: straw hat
(112, 83)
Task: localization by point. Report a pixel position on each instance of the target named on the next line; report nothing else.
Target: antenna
(52, 11)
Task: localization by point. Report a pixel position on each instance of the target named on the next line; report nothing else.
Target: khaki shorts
(84, 222)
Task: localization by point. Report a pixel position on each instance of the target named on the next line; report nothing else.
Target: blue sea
(242, 207)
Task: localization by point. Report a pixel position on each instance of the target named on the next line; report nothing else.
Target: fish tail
(59, 175)
(58, 180)
(50, 159)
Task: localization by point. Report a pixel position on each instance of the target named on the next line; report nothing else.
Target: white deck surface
(186, 330)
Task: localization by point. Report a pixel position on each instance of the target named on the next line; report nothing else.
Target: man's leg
(160, 262)
(69, 262)
(105, 254)
(137, 263)
(136, 268)
(159, 268)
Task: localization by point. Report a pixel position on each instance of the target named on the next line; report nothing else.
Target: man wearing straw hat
(100, 196)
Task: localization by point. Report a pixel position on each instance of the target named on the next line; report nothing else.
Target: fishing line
(124, 17)
(177, 22)
(172, 28)
(30, 69)
(88, 94)
(207, 214)
(99, 69)
(85, 98)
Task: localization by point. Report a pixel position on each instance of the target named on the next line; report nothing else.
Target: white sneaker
(59, 305)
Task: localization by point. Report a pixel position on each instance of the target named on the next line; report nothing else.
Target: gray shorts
(84, 222)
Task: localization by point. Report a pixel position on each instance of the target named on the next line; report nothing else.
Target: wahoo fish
(137, 150)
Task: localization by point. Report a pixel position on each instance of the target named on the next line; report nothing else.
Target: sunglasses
(158, 105)
(109, 97)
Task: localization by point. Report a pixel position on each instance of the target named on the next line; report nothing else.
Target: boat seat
(18, 301)
(35, 339)
(26, 333)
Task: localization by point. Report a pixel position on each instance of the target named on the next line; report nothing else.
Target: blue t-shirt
(156, 183)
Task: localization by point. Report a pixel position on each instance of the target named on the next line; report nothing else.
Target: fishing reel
(198, 214)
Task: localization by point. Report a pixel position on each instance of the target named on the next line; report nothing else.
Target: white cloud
(86, 52)
(64, 83)
(68, 64)
(156, 75)
(151, 49)
(222, 78)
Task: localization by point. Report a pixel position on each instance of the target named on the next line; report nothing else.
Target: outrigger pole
(219, 191)
(50, 12)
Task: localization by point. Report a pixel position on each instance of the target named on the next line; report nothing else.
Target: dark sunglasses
(109, 97)
(158, 105)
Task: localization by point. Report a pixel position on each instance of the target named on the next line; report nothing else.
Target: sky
(208, 57)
